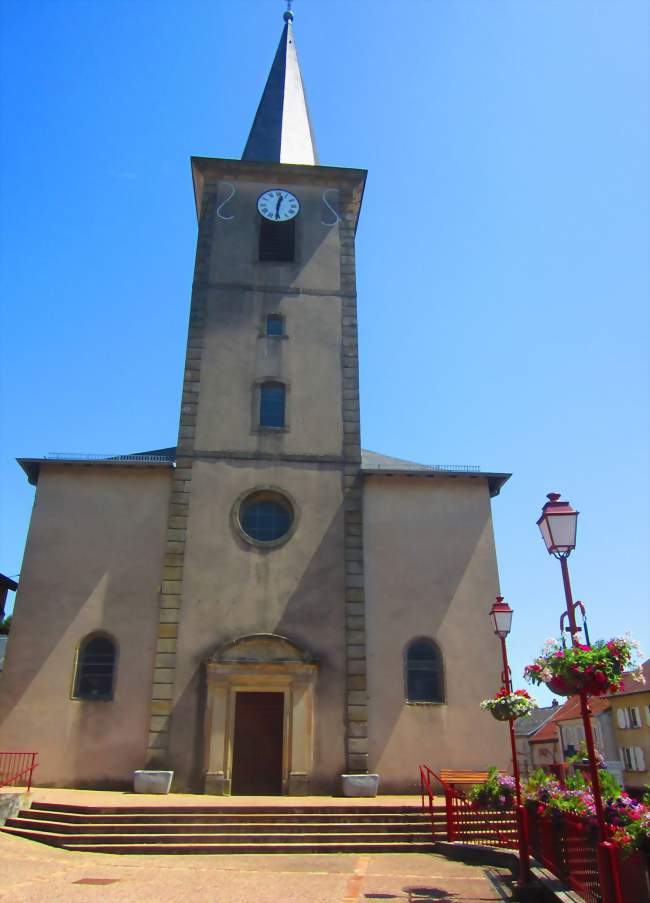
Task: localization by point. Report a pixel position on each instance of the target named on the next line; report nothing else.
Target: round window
(265, 517)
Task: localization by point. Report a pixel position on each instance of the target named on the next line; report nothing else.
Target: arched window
(95, 668)
(424, 672)
(272, 404)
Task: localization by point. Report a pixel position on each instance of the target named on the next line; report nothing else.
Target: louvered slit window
(272, 405)
(277, 240)
(95, 669)
(424, 674)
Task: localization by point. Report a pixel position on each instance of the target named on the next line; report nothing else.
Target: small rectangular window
(274, 324)
(272, 402)
(277, 240)
(632, 714)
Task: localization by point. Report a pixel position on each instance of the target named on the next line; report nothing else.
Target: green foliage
(537, 779)
(609, 786)
(576, 781)
(5, 626)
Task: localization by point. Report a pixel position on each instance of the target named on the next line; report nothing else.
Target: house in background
(571, 731)
(631, 726)
(525, 729)
(560, 735)
(6, 584)
(545, 750)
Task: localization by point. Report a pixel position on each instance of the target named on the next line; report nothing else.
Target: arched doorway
(259, 717)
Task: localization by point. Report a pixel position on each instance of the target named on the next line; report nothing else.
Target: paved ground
(35, 873)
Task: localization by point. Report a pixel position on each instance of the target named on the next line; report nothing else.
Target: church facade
(264, 606)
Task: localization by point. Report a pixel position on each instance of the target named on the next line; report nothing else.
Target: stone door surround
(261, 662)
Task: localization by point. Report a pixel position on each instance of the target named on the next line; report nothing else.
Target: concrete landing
(32, 873)
(199, 800)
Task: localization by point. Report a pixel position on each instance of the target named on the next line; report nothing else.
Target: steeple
(282, 131)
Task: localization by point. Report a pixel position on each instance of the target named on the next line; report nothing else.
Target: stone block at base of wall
(11, 802)
(152, 781)
(360, 784)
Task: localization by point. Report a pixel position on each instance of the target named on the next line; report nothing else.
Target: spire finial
(282, 131)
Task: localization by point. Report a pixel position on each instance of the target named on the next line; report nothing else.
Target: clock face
(278, 205)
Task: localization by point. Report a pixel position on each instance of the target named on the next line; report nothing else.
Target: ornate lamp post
(501, 614)
(558, 525)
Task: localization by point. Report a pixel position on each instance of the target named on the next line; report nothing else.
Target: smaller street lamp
(501, 614)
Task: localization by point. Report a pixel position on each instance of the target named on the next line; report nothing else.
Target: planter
(152, 781)
(508, 705)
(360, 784)
(563, 686)
(503, 712)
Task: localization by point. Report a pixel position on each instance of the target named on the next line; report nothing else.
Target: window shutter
(620, 718)
(620, 754)
(638, 717)
(647, 714)
(640, 758)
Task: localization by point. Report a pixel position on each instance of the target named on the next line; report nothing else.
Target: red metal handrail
(425, 788)
(568, 846)
(465, 823)
(14, 766)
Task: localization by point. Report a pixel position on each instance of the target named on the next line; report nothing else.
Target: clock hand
(277, 206)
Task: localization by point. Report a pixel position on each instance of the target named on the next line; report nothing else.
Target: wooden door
(257, 746)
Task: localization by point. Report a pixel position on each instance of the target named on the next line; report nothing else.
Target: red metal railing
(466, 824)
(492, 827)
(17, 768)
(568, 846)
(426, 790)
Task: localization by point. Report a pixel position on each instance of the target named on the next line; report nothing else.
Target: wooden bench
(453, 778)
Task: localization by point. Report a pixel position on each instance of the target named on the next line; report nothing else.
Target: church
(265, 606)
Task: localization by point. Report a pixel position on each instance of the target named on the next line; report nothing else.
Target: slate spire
(282, 131)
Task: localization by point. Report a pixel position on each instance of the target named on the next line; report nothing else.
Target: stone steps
(193, 848)
(245, 827)
(232, 829)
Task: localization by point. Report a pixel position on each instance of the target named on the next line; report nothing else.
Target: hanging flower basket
(596, 670)
(507, 706)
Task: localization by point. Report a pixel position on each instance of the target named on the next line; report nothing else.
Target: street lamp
(501, 615)
(558, 524)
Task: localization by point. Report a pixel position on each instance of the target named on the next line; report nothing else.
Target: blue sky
(502, 250)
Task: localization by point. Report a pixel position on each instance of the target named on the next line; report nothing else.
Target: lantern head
(501, 614)
(558, 525)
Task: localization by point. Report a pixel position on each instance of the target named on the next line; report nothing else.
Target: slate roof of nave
(372, 464)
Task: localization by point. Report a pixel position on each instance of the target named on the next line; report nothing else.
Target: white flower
(637, 675)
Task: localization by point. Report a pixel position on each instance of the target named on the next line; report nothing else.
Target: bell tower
(264, 538)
